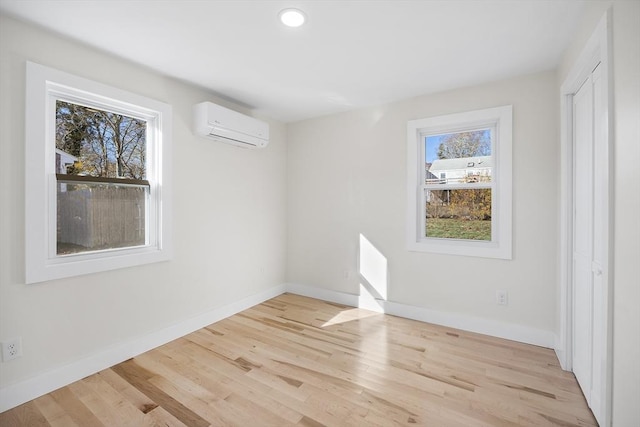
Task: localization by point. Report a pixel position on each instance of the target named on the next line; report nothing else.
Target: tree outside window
(101, 173)
(463, 159)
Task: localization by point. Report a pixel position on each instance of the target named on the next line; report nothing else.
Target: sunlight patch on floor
(349, 315)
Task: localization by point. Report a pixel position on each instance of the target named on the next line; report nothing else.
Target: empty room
(320, 213)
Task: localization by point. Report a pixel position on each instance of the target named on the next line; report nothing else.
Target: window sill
(462, 248)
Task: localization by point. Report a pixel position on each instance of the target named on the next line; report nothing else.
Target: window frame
(44, 86)
(500, 120)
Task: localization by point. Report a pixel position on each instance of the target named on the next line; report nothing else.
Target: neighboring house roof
(64, 159)
(478, 162)
(430, 176)
(66, 156)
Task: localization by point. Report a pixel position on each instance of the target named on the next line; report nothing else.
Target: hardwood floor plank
(261, 396)
(140, 379)
(126, 411)
(297, 361)
(26, 414)
(54, 413)
(259, 414)
(132, 394)
(77, 411)
(95, 403)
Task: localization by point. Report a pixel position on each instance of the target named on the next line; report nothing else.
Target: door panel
(583, 238)
(600, 206)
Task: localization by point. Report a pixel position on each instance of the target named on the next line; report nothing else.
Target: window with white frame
(98, 187)
(459, 183)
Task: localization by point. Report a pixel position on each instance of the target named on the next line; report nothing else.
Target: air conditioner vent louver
(225, 125)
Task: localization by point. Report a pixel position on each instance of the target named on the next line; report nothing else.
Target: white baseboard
(561, 353)
(24, 391)
(322, 294)
(493, 328)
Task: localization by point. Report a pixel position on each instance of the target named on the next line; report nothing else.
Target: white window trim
(44, 85)
(500, 245)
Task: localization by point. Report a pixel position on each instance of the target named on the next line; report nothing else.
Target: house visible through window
(458, 205)
(459, 183)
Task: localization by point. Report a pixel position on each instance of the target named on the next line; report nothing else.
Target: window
(98, 193)
(102, 190)
(459, 183)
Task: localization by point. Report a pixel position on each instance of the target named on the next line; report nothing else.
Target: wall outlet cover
(502, 298)
(11, 349)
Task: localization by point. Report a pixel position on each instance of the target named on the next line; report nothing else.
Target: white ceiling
(350, 54)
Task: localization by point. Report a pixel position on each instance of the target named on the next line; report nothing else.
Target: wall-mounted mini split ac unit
(225, 125)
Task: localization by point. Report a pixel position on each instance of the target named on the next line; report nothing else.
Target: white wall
(347, 176)
(626, 193)
(229, 222)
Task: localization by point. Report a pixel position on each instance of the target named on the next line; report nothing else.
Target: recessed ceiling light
(292, 17)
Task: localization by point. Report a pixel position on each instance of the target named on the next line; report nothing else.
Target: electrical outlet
(347, 274)
(11, 349)
(502, 297)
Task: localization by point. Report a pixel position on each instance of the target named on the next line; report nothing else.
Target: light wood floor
(299, 361)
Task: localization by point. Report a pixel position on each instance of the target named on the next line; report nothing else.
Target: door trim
(596, 51)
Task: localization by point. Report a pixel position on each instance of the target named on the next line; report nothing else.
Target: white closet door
(583, 237)
(589, 241)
